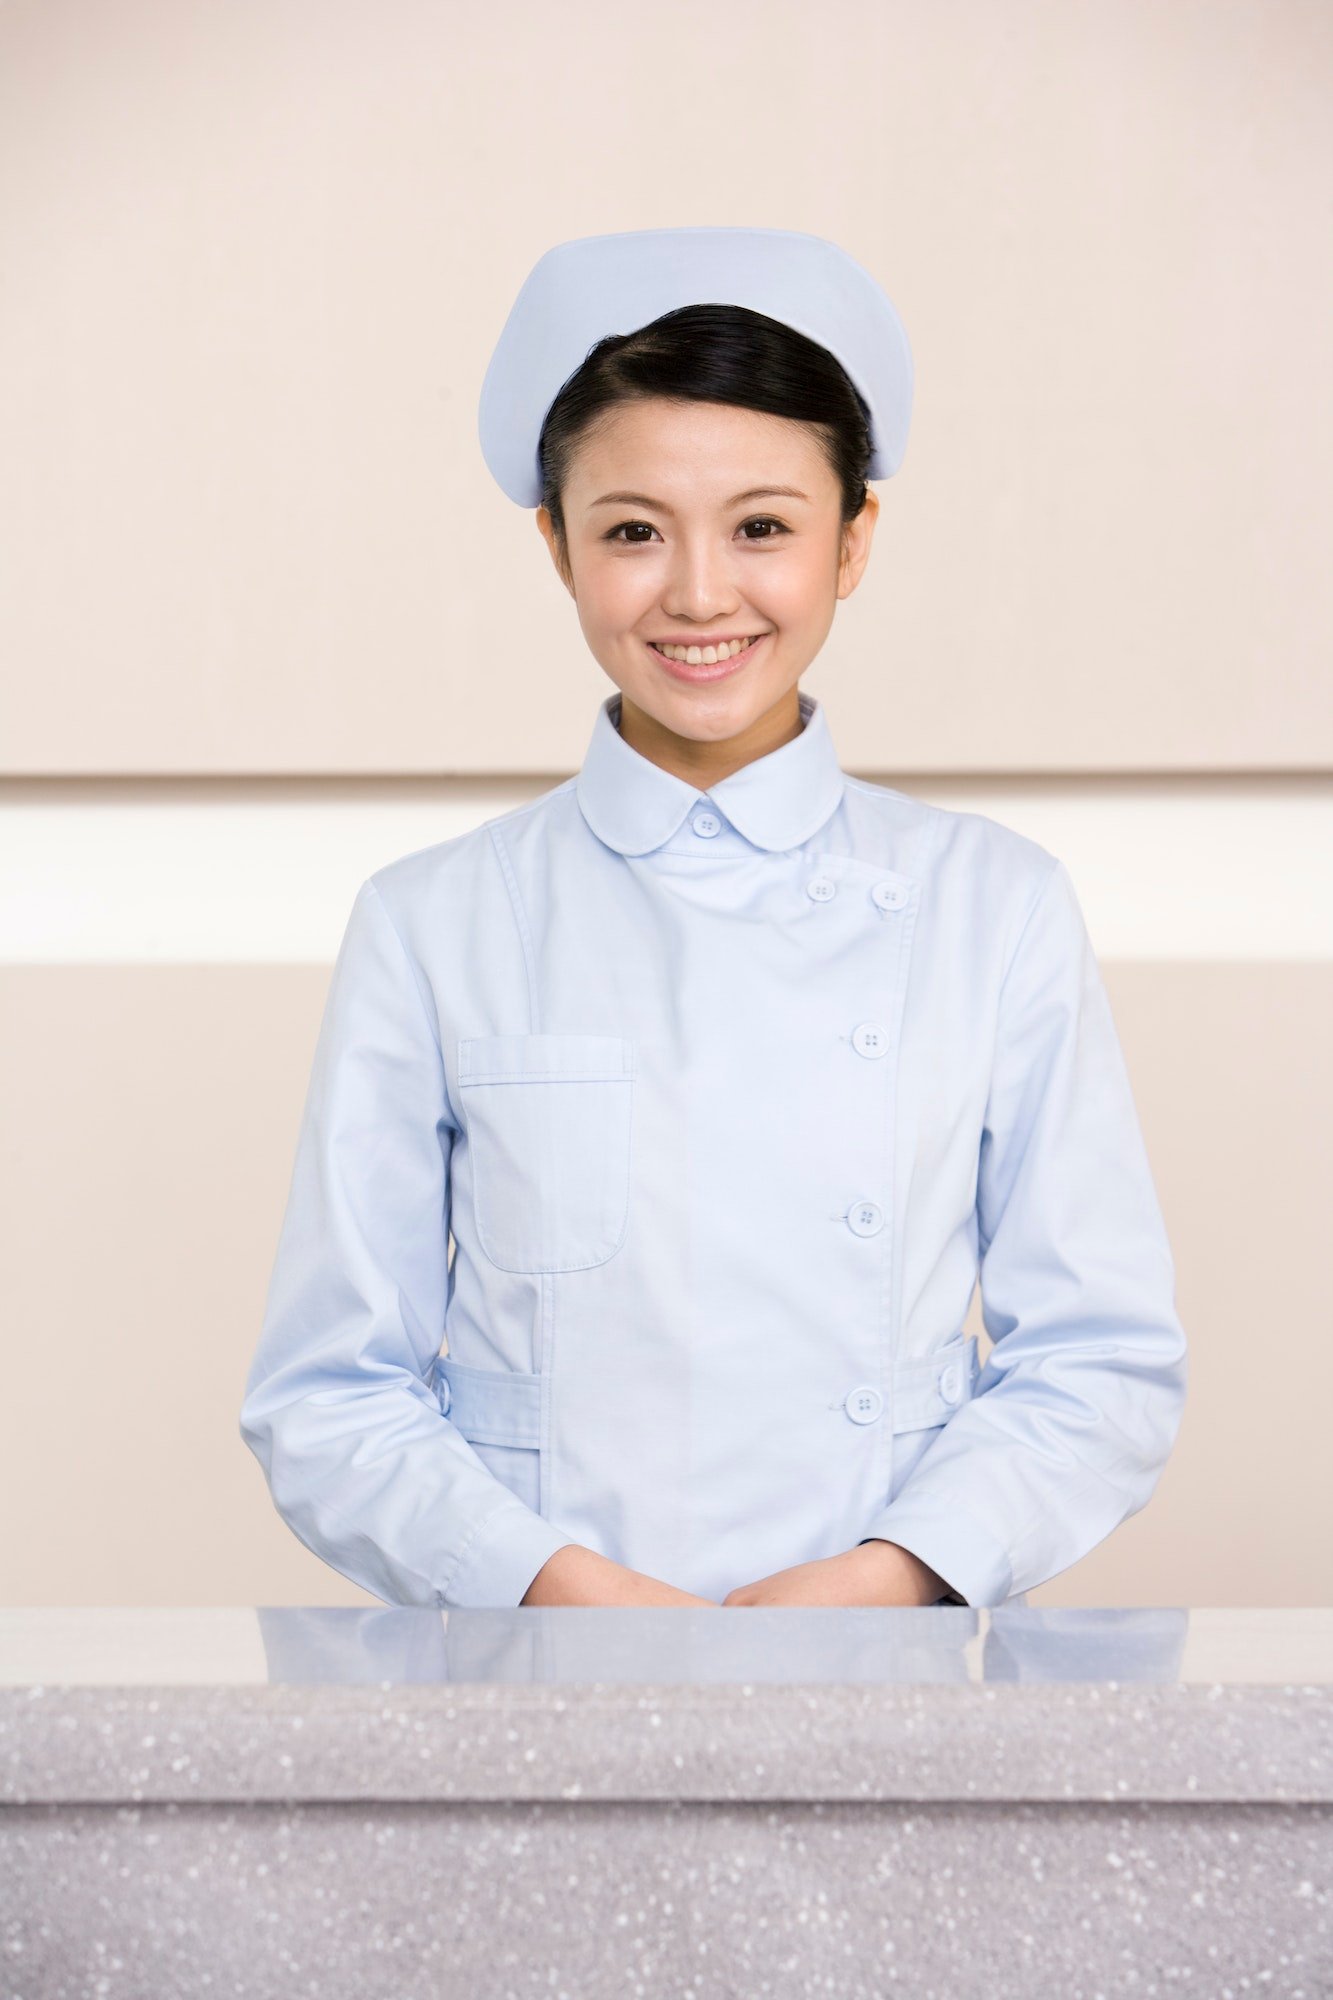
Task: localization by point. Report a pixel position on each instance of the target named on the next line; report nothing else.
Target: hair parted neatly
(711, 354)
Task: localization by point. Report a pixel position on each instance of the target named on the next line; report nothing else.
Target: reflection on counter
(760, 1646)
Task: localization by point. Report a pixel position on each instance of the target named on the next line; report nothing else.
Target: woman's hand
(875, 1572)
(578, 1575)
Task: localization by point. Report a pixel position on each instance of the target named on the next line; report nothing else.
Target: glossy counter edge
(389, 1645)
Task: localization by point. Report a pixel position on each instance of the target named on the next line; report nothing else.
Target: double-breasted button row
(870, 1040)
(864, 1404)
(885, 895)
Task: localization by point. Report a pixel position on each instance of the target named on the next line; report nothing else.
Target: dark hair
(712, 354)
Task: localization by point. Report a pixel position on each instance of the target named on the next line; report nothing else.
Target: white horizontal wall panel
(1166, 869)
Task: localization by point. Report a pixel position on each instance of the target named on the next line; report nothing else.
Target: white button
(444, 1393)
(864, 1403)
(866, 1218)
(950, 1384)
(870, 1040)
(707, 824)
(889, 895)
(821, 887)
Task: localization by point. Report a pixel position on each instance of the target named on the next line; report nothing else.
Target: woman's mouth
(707, 670)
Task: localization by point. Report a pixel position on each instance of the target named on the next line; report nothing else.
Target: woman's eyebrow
(660, 506)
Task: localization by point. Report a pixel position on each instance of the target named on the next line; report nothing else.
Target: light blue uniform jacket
(724, 1099)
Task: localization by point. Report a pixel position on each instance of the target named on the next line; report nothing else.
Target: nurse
(723, 1076)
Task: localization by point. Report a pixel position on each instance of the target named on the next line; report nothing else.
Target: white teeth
(697, 656)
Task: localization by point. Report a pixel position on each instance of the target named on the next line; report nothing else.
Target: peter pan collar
(776, 801)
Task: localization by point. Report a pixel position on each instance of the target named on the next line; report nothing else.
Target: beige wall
(255, 260)
(256, 257)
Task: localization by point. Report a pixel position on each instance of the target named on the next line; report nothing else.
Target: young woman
(727, 1073)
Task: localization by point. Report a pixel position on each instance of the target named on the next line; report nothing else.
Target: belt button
(820, 887)
(889, 895)
(951, 1384)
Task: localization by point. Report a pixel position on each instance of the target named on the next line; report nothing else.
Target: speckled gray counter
(942, 1802)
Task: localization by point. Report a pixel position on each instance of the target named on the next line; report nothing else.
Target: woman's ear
(547, 527)
(857, 536)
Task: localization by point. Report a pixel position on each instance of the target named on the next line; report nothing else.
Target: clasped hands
(873, 1573)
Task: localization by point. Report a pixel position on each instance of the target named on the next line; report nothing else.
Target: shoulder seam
(373, 886)
(1044, 885)
(516, 904)
(415, 976)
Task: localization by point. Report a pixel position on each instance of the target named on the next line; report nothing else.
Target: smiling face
(708, 548)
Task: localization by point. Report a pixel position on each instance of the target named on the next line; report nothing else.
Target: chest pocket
(549, 1123)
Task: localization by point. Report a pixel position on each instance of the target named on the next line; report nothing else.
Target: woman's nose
(700, 590)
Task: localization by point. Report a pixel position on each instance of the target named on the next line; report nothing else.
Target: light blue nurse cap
(578, 292)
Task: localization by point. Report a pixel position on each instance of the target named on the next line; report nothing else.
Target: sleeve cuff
(501, 1557)
(955, 1545)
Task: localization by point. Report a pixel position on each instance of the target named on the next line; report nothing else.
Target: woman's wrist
(576, 1574)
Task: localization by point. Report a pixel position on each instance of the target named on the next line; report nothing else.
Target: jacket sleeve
(1079, 1401)
(339, 1410)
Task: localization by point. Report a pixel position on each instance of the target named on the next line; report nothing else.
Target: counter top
(937, 1703)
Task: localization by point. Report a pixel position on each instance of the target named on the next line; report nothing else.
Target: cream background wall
(258, 597)
(256, 257)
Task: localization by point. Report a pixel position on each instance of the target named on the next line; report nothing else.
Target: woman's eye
(616, 533)
(759, 521)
